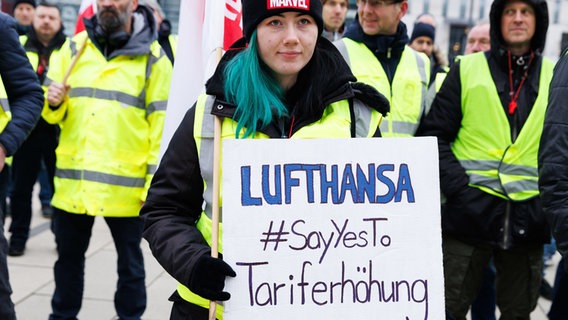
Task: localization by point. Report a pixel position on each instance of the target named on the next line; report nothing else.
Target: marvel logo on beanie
(254, 11)
(18, 2)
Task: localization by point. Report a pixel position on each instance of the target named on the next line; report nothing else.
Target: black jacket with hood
(470, 214)
(175, 198)
(553, 158)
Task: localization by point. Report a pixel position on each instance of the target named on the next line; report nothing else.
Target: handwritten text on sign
(332, 229)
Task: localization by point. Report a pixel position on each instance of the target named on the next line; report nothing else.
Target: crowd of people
(84, 115)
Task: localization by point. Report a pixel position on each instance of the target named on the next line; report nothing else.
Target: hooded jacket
(470, 214)
(111, 119)
(175, 199)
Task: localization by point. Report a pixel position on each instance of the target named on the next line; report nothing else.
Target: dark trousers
(483, 308)
(517, 281)
(72, 236)
(559, 307)
(25, 168)
(6, 305)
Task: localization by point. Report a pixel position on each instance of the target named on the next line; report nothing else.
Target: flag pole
(74, 61)
(216, 193)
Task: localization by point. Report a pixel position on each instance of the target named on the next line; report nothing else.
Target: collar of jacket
(379, 44)
(34, 45)
(143, 34)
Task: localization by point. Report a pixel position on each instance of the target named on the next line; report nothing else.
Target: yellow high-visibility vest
(484, 147)
(407, 95)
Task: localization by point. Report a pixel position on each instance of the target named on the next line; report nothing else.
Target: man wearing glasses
(374, 46)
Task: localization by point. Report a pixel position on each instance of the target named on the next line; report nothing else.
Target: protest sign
(332, 229)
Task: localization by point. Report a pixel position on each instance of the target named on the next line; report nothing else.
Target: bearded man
(111, 109)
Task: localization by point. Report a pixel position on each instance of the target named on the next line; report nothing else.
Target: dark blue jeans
(484, 305)
(40, 146)
(6, 305)
(72, 236)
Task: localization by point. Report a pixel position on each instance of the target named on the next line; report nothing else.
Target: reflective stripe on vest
(484, 147)
(407, 95)
(331, 125)
(101, 177)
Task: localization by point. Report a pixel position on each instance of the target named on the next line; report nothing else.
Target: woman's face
(286, 44)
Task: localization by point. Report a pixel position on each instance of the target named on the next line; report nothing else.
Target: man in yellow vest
(488, 119)
(374, 46)
(21, 99)
(111, 109)
(45, 37)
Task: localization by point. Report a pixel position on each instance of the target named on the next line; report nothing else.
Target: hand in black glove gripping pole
(208, 278)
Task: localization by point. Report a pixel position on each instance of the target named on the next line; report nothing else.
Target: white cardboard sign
(333, 229)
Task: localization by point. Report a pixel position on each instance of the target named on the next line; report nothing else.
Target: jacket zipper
(507, 223)
(505, 244)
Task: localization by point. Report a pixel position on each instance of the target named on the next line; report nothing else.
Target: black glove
(208, 278)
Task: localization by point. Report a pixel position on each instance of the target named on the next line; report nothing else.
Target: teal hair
(257, 95)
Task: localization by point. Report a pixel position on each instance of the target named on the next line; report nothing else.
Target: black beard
(110, 20)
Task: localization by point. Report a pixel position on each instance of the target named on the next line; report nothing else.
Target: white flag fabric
(87, 9)
(202, 27)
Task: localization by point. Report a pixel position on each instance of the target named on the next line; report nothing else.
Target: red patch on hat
(288, 4)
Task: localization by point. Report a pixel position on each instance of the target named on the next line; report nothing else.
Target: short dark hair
(49, 4)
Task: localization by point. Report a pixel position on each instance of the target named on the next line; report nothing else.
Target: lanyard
(512, 93)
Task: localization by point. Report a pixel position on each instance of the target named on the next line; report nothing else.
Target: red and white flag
(206, 28)
(87, 9)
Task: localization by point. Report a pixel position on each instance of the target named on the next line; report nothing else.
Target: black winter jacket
(469, 213)
(24, 92)
(175, 198)
(553, 158)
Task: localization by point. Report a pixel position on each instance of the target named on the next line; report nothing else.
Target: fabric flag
(87, 9)
(204, 29)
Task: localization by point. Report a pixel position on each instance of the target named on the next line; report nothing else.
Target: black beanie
(422, 29)
(17, 2)
(254, 11)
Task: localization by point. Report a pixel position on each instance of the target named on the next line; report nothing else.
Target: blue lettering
(275, 198)
(329, 186)
(366, 185)
(246, 199)
(348, 184)
(310, 168)
(404, 184)
(290, 182)
(386, 198)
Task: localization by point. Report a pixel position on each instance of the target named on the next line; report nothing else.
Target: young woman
(296, 85)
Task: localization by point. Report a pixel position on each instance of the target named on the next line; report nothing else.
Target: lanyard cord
(291, 126)
(514, 95)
